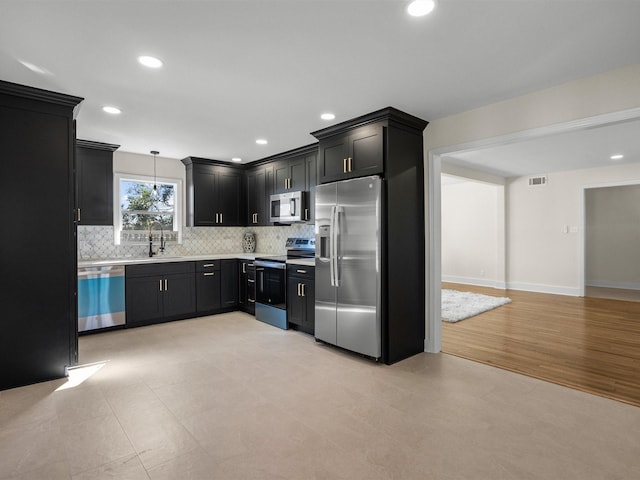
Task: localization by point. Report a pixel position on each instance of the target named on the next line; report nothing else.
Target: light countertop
(183, 258)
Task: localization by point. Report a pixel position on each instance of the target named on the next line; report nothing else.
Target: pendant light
(155, 183)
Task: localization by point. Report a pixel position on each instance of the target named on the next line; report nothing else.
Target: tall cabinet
(388, 143)
(38, 255)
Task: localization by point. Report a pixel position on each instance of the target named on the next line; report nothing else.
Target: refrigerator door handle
(336, 244)
(332, 247)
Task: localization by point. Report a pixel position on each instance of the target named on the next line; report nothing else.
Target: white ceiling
(238, 70)
(588, 148)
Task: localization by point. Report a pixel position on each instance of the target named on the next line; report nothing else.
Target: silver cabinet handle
(160, 284)
(349, 162)
(306, 214)
(250, 264)
(221, 221)
(301, 271)
(244, 267)
(209, 265)
(302, 289)
(344, 165)
(166, 284)
(209, 274)
(251, 300)
(299, 290)
(251, 280)
(78, 214)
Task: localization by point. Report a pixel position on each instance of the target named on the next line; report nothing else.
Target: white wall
(471, 230)
(613, 236)
(543, 255)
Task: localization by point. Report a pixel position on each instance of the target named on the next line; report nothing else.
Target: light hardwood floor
(590, 344)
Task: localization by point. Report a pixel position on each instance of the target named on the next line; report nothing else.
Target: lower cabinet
(159, 292)
(216, 285)
(301, 298)
(247, 286)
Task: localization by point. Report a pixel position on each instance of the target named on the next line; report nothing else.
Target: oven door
(271, 284)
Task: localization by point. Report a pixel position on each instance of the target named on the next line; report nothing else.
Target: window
(139, 208)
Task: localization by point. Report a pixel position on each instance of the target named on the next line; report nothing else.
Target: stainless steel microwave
(289, 207)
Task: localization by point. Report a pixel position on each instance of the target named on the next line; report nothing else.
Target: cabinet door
(332, 153)
(95, 186)
(296, 308)
(230, 205)
(257, 197)
(242, 284)
(311, 182)
(366, 151)
(205, 195)
(310, 306)
(179, 294)
(297, 174)
(229, 286)
(208, 290)
(281, 176)
(143, 296)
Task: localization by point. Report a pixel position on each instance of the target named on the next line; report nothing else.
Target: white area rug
(457, 305)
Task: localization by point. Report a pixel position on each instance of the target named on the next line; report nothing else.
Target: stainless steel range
(271, 281)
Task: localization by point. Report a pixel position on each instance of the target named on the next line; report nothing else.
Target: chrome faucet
(161, 249)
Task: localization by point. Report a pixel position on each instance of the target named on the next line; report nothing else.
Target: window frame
(134, 177)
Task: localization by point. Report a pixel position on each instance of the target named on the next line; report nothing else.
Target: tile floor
(227, 397)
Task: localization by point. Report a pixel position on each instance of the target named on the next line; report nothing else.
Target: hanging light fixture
(155, 183)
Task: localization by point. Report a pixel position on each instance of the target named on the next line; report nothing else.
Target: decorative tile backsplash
(96, 242)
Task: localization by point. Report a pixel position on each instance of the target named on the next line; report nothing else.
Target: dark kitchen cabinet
(294, 170)
(259, 190)
(311, 161)
(216, 285)
(94, 169)
(39, 325)
(208, 281)
(301, 298)
(357, 153)
(290, 174)
(215, 193)
(247, 286)
(229, 287)
(159, 292)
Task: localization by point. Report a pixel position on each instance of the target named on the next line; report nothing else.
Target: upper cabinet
(94, 169)
(290, 174)
(259, 189)
(294, 170)
(215, 193)
(368, 145)
(356, 153)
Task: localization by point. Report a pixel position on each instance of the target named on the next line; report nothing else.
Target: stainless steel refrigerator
(348, 277)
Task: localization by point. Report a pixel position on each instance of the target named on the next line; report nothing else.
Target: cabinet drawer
(153, 269)
(208, 265)
(302, 272)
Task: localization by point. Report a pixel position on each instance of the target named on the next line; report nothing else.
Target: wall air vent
(537, 181)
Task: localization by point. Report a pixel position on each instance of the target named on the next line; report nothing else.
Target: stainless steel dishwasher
(100, 297)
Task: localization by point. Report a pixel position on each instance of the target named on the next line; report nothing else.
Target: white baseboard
(553, 289)
(481, 282)
(608, 284)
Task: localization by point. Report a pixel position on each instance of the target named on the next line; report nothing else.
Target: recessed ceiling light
(261, 141)
(111, 110)
(420, 8)
(327, 116)
(236, 159)
(151, 62)
(616, 157)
